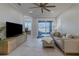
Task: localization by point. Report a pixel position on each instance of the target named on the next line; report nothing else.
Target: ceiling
(25, 9)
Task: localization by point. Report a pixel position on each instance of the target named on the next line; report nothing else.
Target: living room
(43, 21)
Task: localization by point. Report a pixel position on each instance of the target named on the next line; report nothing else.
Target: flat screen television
(13, 29)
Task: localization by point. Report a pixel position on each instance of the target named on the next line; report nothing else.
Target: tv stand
(8, 45)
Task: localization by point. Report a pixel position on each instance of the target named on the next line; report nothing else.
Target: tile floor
(33, 47)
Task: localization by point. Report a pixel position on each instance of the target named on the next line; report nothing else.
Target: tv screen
(13, 29)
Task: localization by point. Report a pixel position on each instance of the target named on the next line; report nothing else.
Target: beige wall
(70, 21)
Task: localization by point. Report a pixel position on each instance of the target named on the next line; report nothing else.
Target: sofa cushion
(59, 42)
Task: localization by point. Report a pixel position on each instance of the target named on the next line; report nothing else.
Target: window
(44, 28)
(28, 24)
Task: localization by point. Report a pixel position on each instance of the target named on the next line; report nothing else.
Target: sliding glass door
(44, 28)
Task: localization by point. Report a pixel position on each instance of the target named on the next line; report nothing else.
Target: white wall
(70, 21)
(7, 13)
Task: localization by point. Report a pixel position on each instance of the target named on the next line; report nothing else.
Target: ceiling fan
(43, 6)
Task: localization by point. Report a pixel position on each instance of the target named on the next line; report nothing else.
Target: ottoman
(47, 42)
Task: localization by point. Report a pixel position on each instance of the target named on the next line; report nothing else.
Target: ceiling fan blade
(45, 4)
(51, 6)
(36, 4)
(42, 10)
(46, 9)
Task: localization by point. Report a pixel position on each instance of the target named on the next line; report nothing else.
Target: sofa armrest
(71, 46)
